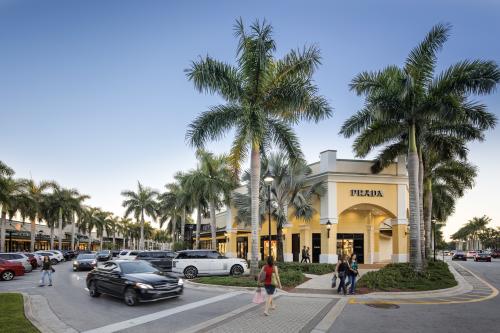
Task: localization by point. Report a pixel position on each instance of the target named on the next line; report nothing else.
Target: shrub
(178, 246)
(291, 278)
(315, 268)
(403, 277)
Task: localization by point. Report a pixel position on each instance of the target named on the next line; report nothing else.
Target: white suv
(128, 254)
(192, 263)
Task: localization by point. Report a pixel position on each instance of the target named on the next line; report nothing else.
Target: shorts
(270, 289)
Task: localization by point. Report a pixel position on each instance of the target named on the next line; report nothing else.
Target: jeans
(352, 283)
(44, 273)
(342, 284)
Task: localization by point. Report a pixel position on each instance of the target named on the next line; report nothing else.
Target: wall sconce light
(328, 226)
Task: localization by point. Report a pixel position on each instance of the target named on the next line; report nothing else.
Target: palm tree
(472, 229)
(8, 189)
(140, 203)
(194, 183)
(186, 201)
(406, 100)
(289, 189)
(88, 221)
(31, 202)
(124, 229)
(169, 207)
(264, 96)
(102, 225)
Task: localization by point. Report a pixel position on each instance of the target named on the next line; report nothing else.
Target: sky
(93, 93)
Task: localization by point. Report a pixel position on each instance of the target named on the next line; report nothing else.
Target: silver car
(18, 257)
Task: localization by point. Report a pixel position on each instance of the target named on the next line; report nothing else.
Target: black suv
(160, 259)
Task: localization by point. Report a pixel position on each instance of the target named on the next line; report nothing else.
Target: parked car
(85, 261)
(495, 253)
(482, 257)
(18, 257)
(69, 254)
(471, 254)
(32, 259)
(104, 255)
(59, 255)
(160, 259)
(115, 253)
(9, 269)
(38, 257)
(446, 253)
(133, 281)
(128, 254)
(52, 257)
(459, 256)
(192, 263)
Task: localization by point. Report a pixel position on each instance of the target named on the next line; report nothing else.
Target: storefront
(360, 213)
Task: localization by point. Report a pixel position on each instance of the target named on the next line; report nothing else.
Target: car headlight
(75, 262)
(180, 282)
(94, 262)
(144, 285)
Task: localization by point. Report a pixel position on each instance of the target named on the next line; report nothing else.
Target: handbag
(274, 279)
(258, 298)
(334, 281)
(53, 270)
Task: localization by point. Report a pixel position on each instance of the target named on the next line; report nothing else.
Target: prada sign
(367, 193)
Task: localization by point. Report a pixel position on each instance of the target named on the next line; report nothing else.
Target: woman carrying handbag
(269, 273)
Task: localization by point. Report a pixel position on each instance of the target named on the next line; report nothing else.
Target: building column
(329, 245)
(370, 243)
(287, 244)
(376, 244)
(231, 235)
(400, 228)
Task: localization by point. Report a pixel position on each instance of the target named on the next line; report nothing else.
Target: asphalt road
(70, 301)
(481, 316)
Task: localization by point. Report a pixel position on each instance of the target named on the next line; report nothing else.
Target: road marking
(161, 314)
(328, 321)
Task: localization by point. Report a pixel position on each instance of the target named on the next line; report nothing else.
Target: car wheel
(7, 275)
(93, 289)
(54, 261)
(236, 270)
(130, 297)
(190, 272)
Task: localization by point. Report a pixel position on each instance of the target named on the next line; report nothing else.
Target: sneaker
(50, 285)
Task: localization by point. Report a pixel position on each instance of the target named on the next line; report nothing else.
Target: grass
(289, 279)
(401, 277)
(12, 317)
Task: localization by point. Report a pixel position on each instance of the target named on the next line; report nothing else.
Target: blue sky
(93, 93)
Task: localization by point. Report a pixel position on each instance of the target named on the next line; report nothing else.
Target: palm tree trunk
(141, 241)
(415, 251)
(60, 230)
(213, 225)
(421, 204)
(102, 241)
(52, 237)
(279, 239)
(428, 216)
(3, 227)
(32, 236)
(90, 240)
(198, 227)
(173, 220)
(183, 224)
(72, 231)
(114, 240)
(254, 207)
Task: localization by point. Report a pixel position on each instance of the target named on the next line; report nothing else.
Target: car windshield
(137, 267)
(86, 256)
(104, 252)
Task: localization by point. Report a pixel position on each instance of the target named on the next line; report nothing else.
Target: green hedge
(291, 278)
(318, 269)
(403, 277)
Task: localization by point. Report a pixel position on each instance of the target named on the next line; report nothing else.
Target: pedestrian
(342, 270)
(271, 281)
(308, 255)
(353, 273)
(46, 270)
(304, 255)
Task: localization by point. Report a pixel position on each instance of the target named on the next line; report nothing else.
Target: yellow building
(360, 213)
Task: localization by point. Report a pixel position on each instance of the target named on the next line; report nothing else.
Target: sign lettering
(367, 193)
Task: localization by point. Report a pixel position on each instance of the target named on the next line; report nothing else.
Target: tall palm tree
(32, 198)
(169, 208)
(186, 201)
(88, 221)
(124, 229)
(265, 96)
(408, 99)
(102, 226)
(289, 189)
(140, 203)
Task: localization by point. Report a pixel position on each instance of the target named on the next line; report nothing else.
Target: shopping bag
(258, 298)
(334, 281)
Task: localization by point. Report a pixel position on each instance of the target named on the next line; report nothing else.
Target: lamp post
(328, 227)
(40, 233)
(268, 180)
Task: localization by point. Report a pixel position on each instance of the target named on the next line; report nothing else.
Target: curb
(39, 313)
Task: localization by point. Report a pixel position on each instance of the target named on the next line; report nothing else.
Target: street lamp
(268, 180)
(40, 233)
(328, 227)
